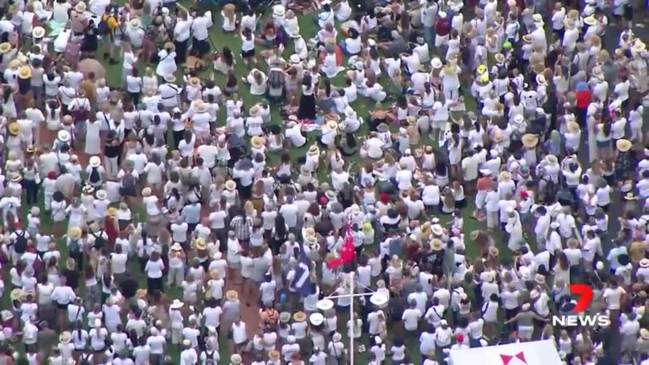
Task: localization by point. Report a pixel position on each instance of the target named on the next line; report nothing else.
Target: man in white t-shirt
(188, 356)
(294, 134)
(411, 317)
(613, 295)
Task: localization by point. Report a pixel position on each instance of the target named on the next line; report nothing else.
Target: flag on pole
(347, 252)
(302, 279)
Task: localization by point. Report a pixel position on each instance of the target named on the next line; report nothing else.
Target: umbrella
(89, 65)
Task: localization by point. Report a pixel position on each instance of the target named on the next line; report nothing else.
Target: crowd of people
(449, 168)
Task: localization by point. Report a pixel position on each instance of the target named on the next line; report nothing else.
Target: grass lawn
(362, 106)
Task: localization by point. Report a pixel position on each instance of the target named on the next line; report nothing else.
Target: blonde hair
(228, 11)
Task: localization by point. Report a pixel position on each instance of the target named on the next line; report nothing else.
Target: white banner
(524, 353)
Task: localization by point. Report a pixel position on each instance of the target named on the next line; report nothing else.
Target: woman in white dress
(149, 81)
(167, 64)
(229, 18)
(93, 141)
(450, 81)
(53, 115)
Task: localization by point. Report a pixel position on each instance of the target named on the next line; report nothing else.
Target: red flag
(347, 252)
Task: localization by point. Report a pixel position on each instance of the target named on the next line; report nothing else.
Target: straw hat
(316, 319)
(530, 140)
(5, 47)
(379, 300)
(527, 38)
(499, 57)
(623, 145)
(101, 194)
(644, 334)
(231, 295)
(25, 72)
(135, 23)
(284, 317)
(590, 20)
(436, 245)
(540, 79)
(94, 161)
(146, 191)
(274, 355)
(74, 233)
(170, 78)
(236, 359)
(176, 304)
(257, 142)
(325, 304)
(436, 63)
(200, 244)
(38, 32)
(644, 263)
(230, 185)
(538, 19)
(80, 7)
(279, 11)
(313, 150)
(573, 127)
(194, 81)
(17, 294)
(14, 128)
(63, 136)
(65, 337)
(299, 316)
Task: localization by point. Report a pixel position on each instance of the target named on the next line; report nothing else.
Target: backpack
(128, 184)
(276, 79)
(102, 27)
(100, 241)
(85, 359)
(20, 245)
(74, 246)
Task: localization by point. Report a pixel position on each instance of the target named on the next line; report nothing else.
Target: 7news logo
(584, 293)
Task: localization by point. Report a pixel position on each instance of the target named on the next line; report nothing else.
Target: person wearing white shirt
(443, 335)
(353, 43)
(200, 32)
(613, 296)
(258, 82)
(293, 133)
(411, 317)
(188, 356)
(182, 32)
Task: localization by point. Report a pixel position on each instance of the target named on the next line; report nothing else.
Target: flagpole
(351, 318)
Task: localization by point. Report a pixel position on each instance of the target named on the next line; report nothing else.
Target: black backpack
(20, 245)
(100, 241)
